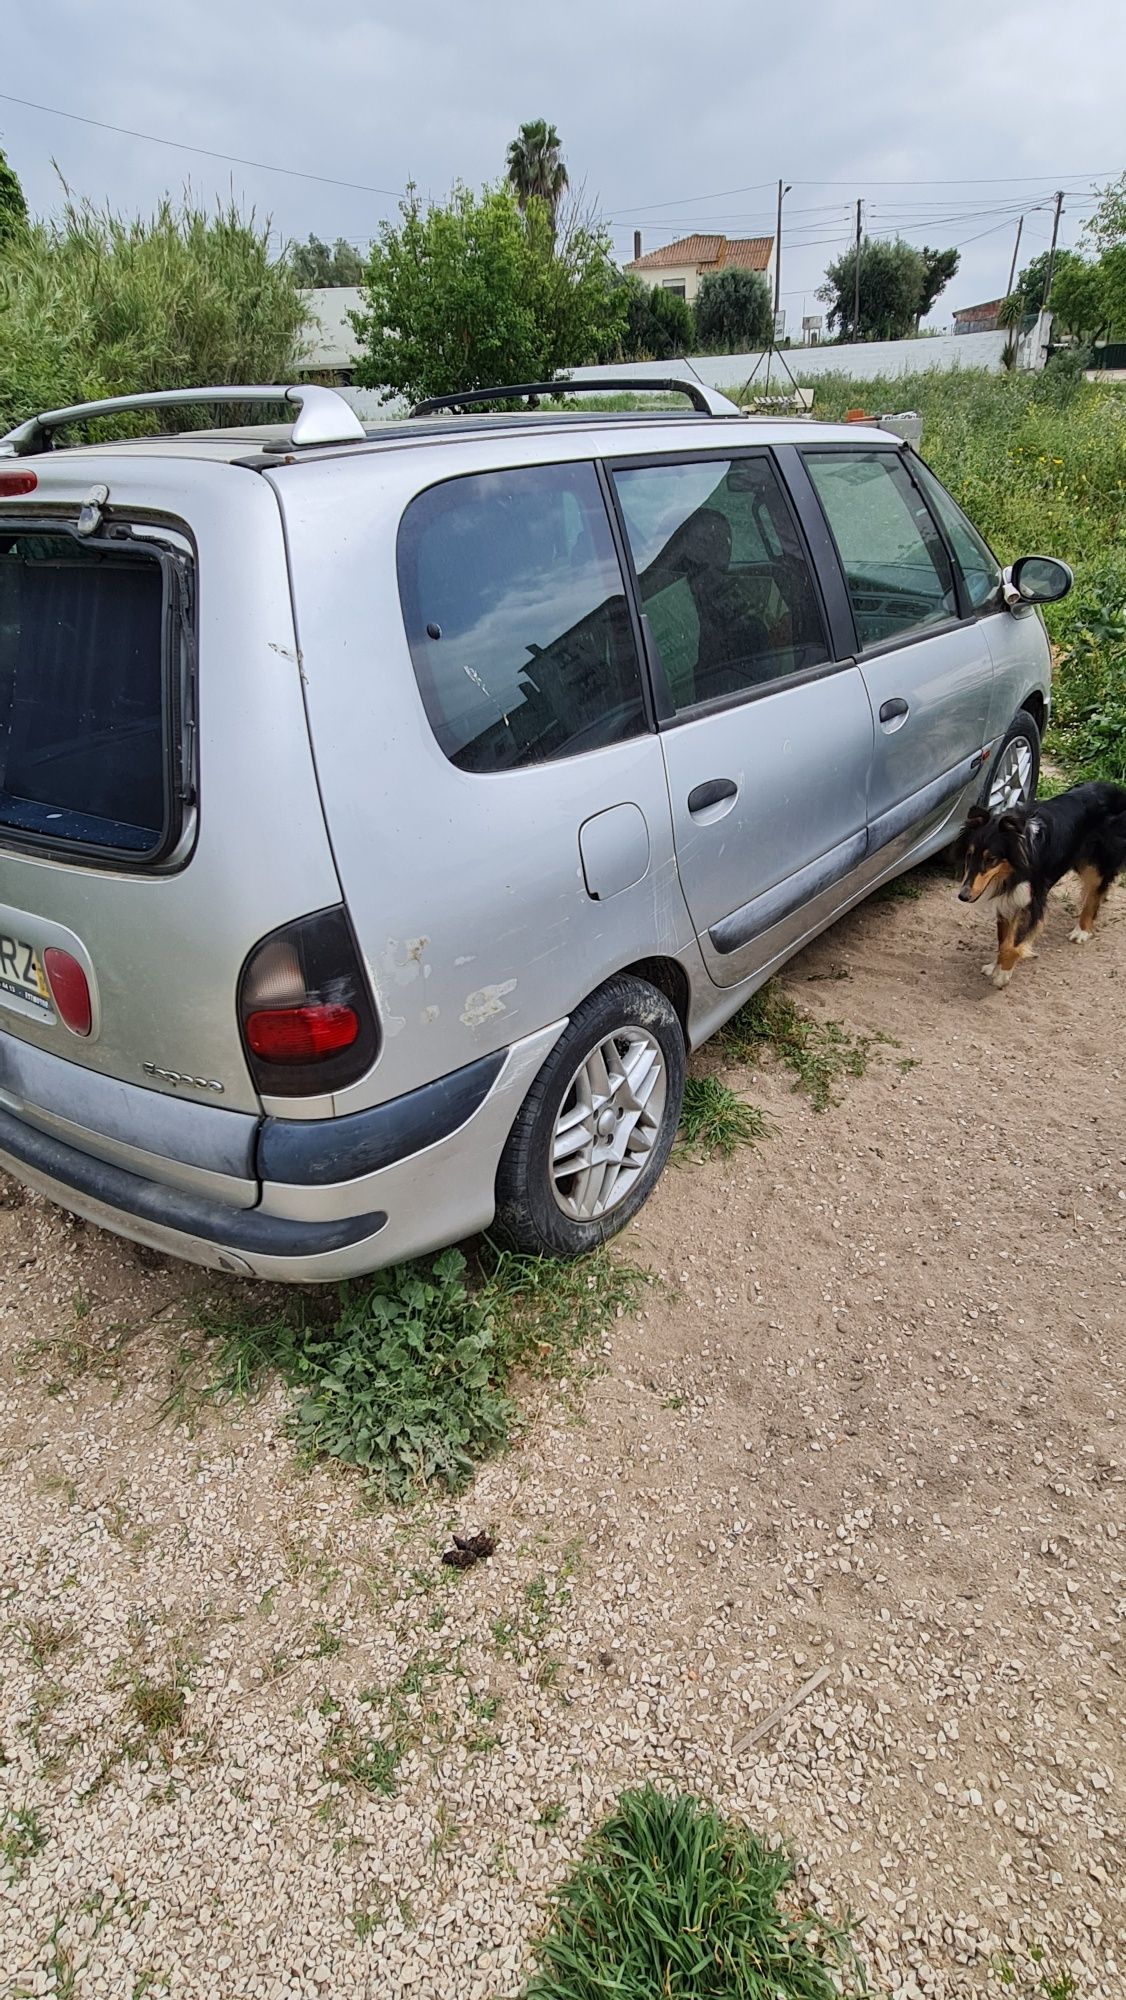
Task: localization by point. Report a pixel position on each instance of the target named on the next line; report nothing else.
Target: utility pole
(1052, 251)
(1013, 265)
(778, 252)
(856, 288)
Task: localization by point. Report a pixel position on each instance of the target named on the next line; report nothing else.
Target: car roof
(262, 446)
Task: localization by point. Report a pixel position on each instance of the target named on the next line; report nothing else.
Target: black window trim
(667, 714)
(970, 612)
(177, 694)
(650, 720)
(915, 635)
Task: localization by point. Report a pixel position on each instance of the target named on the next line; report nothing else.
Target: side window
(516, 616)
(895, 563)
(724, 580)
(978, 564)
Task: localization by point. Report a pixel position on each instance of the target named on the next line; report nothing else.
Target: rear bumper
(428, 1176)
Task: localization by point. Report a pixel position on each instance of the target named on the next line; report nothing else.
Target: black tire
(530, 1215)
(1022, 729)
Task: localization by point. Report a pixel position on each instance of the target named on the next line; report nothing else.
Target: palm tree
(535, 166)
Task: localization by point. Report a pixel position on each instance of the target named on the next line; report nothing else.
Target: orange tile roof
(752, 253)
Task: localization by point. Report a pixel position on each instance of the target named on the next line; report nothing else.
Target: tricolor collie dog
(1016, 857)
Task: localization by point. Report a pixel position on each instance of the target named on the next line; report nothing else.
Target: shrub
(99, 306)
(474, 293)
(733, 312)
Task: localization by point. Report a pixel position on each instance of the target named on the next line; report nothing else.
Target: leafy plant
(476, 292)
(315, 265)
(733, 311)
(671, 1900)
(96, 305)
(405, 1374)
(818, 1052)
(715, 1120)
(897, 285)
(22, 1836)
(655, 324)
(535, 166)
(13, 207)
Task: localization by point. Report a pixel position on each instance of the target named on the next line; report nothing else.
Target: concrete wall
(866, 359)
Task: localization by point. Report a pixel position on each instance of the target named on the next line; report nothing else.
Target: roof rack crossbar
(709, 402)
(323, 416)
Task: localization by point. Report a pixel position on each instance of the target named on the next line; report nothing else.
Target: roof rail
(323, 416)
(709, 402)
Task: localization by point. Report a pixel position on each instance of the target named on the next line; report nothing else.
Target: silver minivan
(384, 814)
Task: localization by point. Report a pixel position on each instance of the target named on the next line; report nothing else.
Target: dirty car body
(424, 740)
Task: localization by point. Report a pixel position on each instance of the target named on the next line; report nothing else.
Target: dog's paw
(990, 969)
(1001, 977)
(1079, 935)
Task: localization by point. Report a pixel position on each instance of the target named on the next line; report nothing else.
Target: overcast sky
(948, 122)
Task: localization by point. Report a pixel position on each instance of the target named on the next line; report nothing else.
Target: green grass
(22, 1834)
(671, 1902)
(407, 1374)
(1039, 463)
(820, 1053)
(715, 1120)
(157, 1707)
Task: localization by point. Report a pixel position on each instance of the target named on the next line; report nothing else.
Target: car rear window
(516, 614)
(84, 728)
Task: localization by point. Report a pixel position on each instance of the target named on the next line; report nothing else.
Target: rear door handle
(712, 792)
(894, 710)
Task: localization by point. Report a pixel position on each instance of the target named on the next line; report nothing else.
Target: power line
(208, 152)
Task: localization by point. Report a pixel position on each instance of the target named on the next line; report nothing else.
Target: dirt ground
(860, 1453)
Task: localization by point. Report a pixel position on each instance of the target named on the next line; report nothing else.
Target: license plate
(21, 975)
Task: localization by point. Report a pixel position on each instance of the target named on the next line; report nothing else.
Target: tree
(656, 325)
(100, 305)
(892, 277)
(1079, 300)
(535, 166)
(315, 265)
(1107, 226)
(939, 266)
(476, 293)
(13, 207)
(733, 311)
(1029, 288)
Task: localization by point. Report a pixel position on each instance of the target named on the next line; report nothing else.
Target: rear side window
(516, 616)
(723, 577)
(84, 728)
(895, 562)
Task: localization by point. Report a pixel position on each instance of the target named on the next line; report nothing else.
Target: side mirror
(1039, 580)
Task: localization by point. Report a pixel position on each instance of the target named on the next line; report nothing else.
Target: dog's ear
(977, 816)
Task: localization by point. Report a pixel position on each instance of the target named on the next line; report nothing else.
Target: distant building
(331, 347)
(978, 319)
(678, 267)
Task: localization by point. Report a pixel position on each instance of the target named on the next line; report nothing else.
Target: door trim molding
(762, 912)
(899, 819)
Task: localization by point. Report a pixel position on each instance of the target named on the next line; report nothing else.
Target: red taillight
(301, 1034)
(69, 989)
(12, 483)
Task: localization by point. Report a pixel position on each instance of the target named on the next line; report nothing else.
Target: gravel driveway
(860, 1453)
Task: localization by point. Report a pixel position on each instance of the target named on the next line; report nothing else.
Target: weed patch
(670, 1899)
(22, 1835)
(820, 1053)
(715, 1120)
(406, 1375)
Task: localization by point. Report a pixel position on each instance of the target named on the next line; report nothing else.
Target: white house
(678, 267)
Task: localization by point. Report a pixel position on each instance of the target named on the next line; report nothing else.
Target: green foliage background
(96, 305)
(475, 292)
